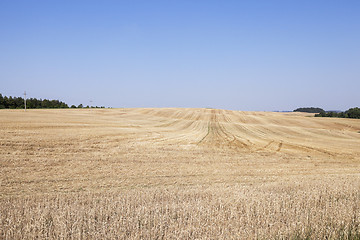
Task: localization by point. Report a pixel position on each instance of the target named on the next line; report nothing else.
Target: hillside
(145, 161)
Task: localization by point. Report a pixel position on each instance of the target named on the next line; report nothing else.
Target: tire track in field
(218, 136)
(240, 131)
(262, 134)
(174, 126)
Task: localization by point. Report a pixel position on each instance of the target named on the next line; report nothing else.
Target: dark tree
(18, 102)
(353, 112)
(2, 102)
(309, 110)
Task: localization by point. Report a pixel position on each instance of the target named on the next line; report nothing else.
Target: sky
(256, 55)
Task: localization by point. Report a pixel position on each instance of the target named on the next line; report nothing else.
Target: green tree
(18, 102)
(309, 110)
(45, 103)
(321, 114)
(331, 114)
(342, 115)
(353, 112)
(11, 102)
(2, 102)
(63, 105)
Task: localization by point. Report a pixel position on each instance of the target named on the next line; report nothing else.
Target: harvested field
(178, 174)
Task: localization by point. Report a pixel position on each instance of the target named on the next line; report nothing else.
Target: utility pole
(25, 99)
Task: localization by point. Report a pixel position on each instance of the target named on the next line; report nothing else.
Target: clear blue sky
(242, 55)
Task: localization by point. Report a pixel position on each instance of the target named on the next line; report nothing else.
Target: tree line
(350, 113)
(309, 110)
(18, 103)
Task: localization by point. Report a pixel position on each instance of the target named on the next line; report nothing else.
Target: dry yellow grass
(177, 173)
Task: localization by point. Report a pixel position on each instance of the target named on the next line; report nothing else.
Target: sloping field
(177, 173)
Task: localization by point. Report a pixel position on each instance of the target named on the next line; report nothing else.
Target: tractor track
(241, 131)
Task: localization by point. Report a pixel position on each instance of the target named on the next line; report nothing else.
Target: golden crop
(177, 174)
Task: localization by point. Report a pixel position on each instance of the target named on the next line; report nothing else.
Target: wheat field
(178, 174)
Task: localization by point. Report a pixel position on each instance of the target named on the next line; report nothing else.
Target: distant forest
(309, 110)
(350, 113)
(18, 103)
